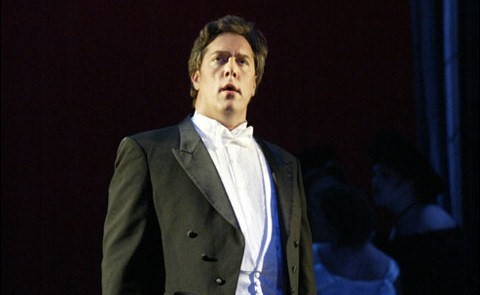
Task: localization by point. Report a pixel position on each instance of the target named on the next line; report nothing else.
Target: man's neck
(230, 121)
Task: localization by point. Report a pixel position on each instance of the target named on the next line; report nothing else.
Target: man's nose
(230, 68)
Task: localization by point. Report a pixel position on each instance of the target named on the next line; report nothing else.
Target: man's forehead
(224, 43)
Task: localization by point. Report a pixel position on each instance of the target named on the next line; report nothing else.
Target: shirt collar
(216, 135)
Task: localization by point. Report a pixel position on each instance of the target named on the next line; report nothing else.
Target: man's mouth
(230, 88)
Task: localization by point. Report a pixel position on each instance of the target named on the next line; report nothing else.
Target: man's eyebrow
(226, 52)
(241, 55)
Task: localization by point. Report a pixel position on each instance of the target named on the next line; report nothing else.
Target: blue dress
(331, 284)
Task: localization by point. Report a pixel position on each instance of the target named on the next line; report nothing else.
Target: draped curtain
(445, 50)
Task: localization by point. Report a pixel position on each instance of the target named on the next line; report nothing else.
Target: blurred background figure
(424, 238)
(342, 224)
(321, 169)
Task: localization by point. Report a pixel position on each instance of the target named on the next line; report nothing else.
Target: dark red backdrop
(76, 78)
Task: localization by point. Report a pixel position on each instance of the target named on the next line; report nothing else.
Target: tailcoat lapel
(282, 174)
(193, 156)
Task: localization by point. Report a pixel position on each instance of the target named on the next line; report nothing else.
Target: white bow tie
(241, 137)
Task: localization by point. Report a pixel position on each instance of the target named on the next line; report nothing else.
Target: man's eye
(220, 59)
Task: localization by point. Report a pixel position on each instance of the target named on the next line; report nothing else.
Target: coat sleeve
(132, 260)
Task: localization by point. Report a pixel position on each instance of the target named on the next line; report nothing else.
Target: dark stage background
(77, 76)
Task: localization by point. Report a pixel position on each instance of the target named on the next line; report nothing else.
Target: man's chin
(229, 109)
(231, 95)
(229, 103)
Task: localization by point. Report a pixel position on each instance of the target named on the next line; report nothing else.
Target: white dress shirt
(247, 180)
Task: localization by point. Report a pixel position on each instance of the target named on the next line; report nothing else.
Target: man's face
(226, 79)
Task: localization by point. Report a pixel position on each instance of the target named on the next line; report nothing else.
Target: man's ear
(254, 86)
(195, 78)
